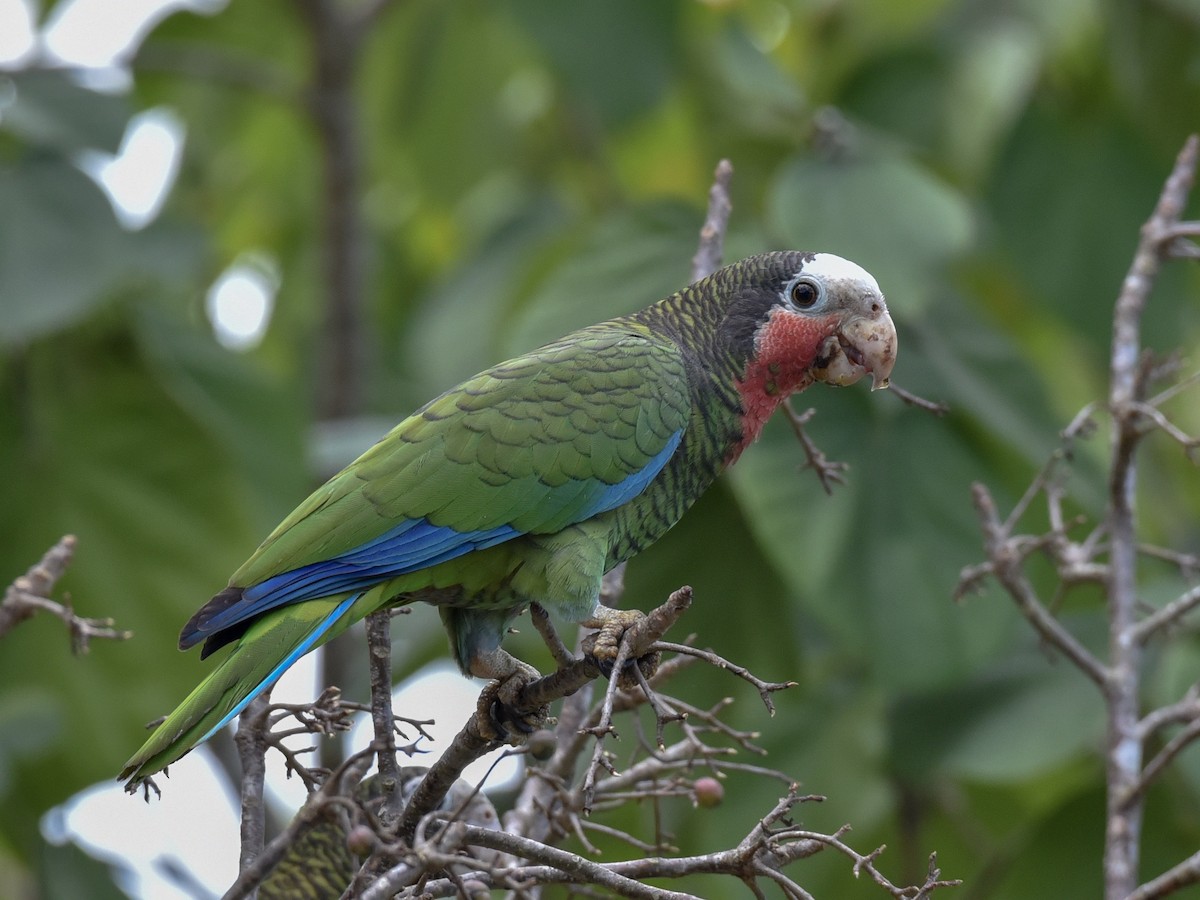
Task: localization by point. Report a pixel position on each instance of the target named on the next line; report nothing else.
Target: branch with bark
(32, 592)
(1109, 553)
(456, 848)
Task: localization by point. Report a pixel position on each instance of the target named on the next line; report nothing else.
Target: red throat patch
(784, 350)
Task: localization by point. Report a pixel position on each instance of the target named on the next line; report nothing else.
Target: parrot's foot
(500, 716)
(604, 645)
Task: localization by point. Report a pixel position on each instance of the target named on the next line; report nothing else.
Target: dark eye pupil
(804, 294)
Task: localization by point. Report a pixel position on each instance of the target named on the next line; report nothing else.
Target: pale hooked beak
(863, 345)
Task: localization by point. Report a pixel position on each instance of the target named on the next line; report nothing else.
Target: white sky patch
(139, 178)
(193, 824)
(17, 40)
(95, 34)
(438, 692)
(241, 300)
(441, 693)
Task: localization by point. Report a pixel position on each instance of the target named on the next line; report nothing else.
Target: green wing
(531, 445)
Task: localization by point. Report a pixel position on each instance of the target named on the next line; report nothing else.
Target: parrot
(528, 482)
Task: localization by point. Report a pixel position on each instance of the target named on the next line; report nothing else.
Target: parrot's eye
(804, 294)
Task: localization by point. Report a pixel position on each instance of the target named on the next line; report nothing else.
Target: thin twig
(1183, 710)
(1178, 876)
(716, 221)
(1162, 759)
(1005, 565)
(829, 472)
(937, 407)
(30, 593)
(765, 688)
(1167, 615)
(541, 622)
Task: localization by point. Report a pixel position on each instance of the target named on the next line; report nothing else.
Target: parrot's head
(847, 299)
(801, 318)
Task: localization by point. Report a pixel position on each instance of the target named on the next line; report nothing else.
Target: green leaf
(457, 327)
(45, 205)
(625, 261)
(751, 87)
(30, 722)
(1014, 722)
(533, 283)
(881, 597)
(252, 414)
(1068, 234)
(48, 278)
(50, 110)
(582, 42)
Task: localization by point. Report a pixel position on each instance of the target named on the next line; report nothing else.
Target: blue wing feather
(298, 651)
(409, 546)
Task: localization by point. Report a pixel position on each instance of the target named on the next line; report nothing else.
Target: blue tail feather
(303, 647)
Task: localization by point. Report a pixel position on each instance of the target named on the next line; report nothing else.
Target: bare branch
(712, 234)
(1126, 394)
(379, 642)
(1004, 562)
(570, 864)
(558, 650)
(1188, 563)
(829, 472)
(1162, 759)
(1170, 881)
(252, 749)
(765, 688)
(30, 593)
(769, 846)
(1178, 387)
(1167, 615)
(1184, 710)
(637, 641)
(1189, 443)
(908, 398)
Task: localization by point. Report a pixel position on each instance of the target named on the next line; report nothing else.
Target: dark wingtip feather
(199, 626)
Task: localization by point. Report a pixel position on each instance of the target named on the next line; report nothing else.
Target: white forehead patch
(833, 268)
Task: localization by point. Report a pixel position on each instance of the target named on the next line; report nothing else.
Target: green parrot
(531, 480)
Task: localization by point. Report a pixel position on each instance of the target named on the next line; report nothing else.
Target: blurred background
(239, 240)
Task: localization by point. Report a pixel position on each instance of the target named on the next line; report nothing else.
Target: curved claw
(604, 645)
(501, 718)
(627, 678)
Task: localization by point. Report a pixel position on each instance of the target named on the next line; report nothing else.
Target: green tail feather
(255, 662)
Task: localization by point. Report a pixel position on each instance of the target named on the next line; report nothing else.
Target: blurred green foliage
(531, 166)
